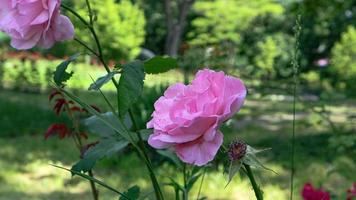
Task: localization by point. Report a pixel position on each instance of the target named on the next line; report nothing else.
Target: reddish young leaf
(86, 147)
(75, 109)
(59, 105)
(53, 94)
(84, 135)
(60, 129)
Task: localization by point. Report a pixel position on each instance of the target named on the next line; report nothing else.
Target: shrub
(343, 60)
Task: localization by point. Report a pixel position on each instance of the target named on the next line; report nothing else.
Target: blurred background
(253, 40)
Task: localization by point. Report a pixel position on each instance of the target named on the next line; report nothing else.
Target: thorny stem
(255, 187)
(145, 156)
(80, 147)
(141, 150)
(92, 186)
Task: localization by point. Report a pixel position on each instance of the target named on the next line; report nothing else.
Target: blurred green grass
(263, 122)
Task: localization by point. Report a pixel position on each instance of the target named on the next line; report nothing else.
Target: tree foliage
(344, 58)
(223, 20)
(120, 26)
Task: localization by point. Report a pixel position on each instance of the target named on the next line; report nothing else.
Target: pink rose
(188, 117)
(34, 22)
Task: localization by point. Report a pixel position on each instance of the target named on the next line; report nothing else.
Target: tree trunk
(175, 27)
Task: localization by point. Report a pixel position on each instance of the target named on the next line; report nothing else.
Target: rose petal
(199, 152)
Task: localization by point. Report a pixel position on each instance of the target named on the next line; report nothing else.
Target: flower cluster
(188, 117)
(310, 193)
(34, 22)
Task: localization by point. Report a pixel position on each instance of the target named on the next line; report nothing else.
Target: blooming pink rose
(34, 22)
(188, 117)
(310, 193)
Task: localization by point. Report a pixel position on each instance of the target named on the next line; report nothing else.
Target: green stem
(201, 184)
(80, 146)
(141, 149)
(86, 46)
(76, 14)
(155, 183)
(295, 64)
(93, 188)
(255, 187)
(94, 180)
(185, 192)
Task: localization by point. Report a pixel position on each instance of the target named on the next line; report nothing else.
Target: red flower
(60, 129)
(310, 193)
(351, 193)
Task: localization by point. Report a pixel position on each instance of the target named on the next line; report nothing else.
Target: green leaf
(96, 126)
(160, 64)
(251, 150)
(251, 159)
(235, 166)
(132, 193)
(106, 147)
(61, 75)
(145, 134)
(102, 81)
(130, 85)
(171, 156)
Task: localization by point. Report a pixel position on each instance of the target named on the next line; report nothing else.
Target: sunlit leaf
(251, 150)
(61, 75)
(100, 82)
(160, 64)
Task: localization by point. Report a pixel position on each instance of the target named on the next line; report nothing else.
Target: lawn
(25, 157)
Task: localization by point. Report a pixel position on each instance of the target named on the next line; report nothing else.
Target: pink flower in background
(323, 62)
(34, 22)
(310, 193)
(188, 117)
(351, 193)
